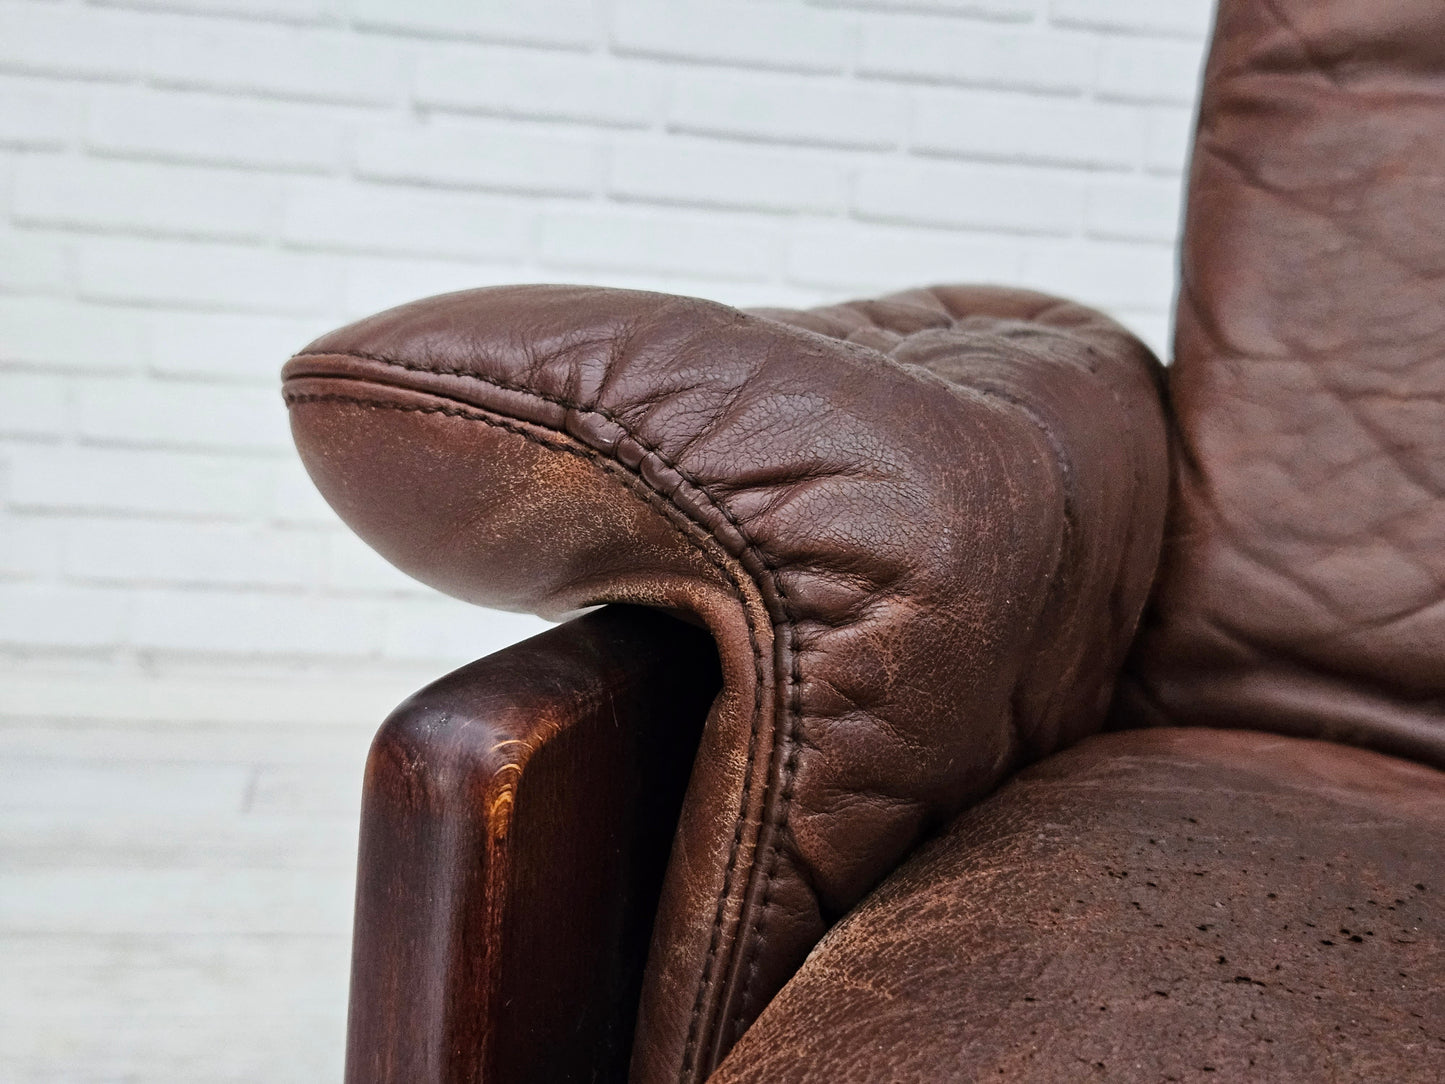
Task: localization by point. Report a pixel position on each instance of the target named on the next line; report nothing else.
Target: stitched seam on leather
(759, 930)
(792, 701)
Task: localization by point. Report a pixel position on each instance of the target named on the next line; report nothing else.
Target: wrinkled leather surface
(921, 530)
(1173, 904)
(1303, 582)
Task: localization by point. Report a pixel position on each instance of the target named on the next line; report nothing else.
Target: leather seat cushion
(1174, 904)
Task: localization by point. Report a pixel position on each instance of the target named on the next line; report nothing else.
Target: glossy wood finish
(516, 822)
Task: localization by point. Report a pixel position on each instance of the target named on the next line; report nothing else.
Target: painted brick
(31, 261)
(58, 41)
(202, 905)
(538, 84)
(788, 109)
(740, 293)
(176, 414)
(294, 501)
(32, 405)
(1108, 275)
(1134, 208)
(1186, 18)
(298, 11)
(652, 241)
(975, 196)
(284, 62)
(1026, 128)
(228, 346)
(573, 23)
(293, 790)
(443, 628)
(37, 115)
(30, 547)
(1149, 70)
(1170, 135)
(708, 175)
(1010, 10)
(54, 332)
(1155, 328)
(169, 552)
(142, 198)
(370, 218)
(137, 482)
(847, 257)
(208, 276)
(481, 155)
(755, 35)
(104, 788)
(945, 51)
(42, 615)
(353, 566)
(379, 283)
(143, 123)
(250, 623)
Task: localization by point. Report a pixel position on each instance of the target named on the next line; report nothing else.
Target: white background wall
(193, 651)
(190, 189)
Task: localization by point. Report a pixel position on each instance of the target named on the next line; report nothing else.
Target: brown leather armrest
(920, 530)
(517, 817)
(1188, 905)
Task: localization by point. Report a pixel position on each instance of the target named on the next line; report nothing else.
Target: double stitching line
(637, 484)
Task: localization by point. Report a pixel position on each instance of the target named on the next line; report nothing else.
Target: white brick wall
(190, 189)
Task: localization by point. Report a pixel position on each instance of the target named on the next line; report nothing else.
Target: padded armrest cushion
(920, 529)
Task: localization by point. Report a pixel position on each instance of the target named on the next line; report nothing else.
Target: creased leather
(1302, 587)
(920, 529)
(1174, 904)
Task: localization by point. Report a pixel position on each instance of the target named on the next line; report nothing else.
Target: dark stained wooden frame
(517, 817)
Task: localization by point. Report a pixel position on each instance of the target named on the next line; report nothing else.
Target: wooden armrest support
(516, 822)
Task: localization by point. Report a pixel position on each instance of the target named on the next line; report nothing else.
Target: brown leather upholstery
(1173, 904)
(1303, 583)
(921, 530)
